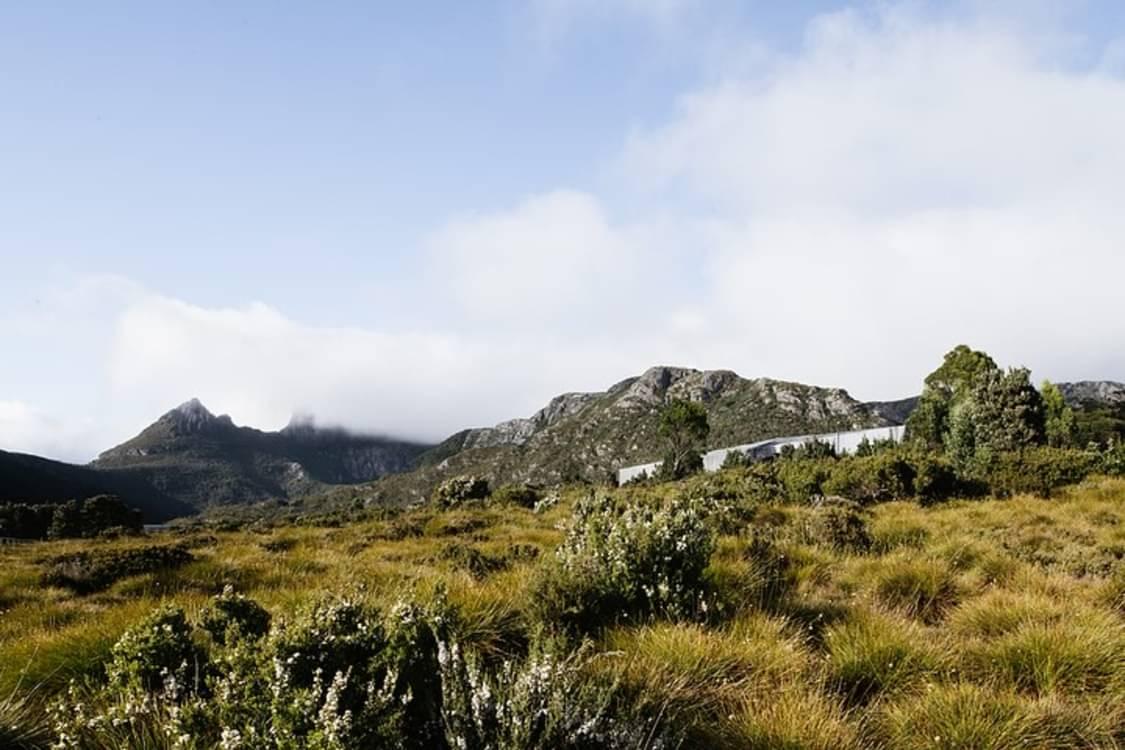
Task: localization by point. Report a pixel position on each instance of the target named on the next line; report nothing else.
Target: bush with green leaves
(1039, 471)
(158, 653)
(231, 615)
(624, 560)
(549, 700)
(461, 489)
(871, 479)
(803, 478)
(341, 675)
(836, 523)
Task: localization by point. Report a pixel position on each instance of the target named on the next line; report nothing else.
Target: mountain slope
(589, 435)
(202, 459)
(35, 480)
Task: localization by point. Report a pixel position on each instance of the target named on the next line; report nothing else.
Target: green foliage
(873, 478)
(232, 615)
(461, 489)
(625, 560)
(87, 572)
(1040, 471)
(935, 478)
(545, 702)
(1059, 422)
(802, 478)
(684, 428)
(158, 654)
(945, 387)
(1007, 413)
(88, 518)
(810, 449)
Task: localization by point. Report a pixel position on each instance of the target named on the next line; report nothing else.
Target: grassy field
(968, 624)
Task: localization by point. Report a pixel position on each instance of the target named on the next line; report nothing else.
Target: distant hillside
(588, 435)
(36, 480)
(1093, 393)
(201, 459)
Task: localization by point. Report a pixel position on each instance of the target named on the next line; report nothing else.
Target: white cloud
(26, 429)
(842, 216)
(899, 186)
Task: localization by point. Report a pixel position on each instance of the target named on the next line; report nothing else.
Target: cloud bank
(840, 215)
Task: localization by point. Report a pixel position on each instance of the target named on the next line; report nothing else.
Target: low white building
(843, 442)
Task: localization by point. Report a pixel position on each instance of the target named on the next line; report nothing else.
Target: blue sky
(414, 217)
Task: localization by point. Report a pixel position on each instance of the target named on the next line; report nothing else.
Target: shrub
(87, 572)
(875, 654)
(341, 679)
(548, 701)
(802, 479)
(871, 479)
(629, 560)
(1038, 471)
(837, 524)
(520, 495)
(230, 615)
(158, 654)
(921, 588)
(935, 478)
(461, 489)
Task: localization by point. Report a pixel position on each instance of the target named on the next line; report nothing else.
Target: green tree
(943, 389)
(684, 427)
(1060, 421)
(1008, 412)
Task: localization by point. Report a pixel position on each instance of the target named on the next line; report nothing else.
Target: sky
(410, 218)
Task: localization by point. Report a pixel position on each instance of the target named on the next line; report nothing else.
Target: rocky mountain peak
(191, 417)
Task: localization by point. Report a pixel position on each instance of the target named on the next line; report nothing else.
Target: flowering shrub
(157, 654)
(458, 490)
(543, 703)
(623, 561)
(230, 615)
(340, 675)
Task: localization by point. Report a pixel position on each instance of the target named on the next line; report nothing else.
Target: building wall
(843, 442)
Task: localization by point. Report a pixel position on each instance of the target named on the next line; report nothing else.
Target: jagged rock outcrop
(1086, 393)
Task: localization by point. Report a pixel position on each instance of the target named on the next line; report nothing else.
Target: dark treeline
(94, 516)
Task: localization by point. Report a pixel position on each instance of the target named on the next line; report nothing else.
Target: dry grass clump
(875, 654)
(964, 715)
(922, 588)
(795, 719)
(1083, 653)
